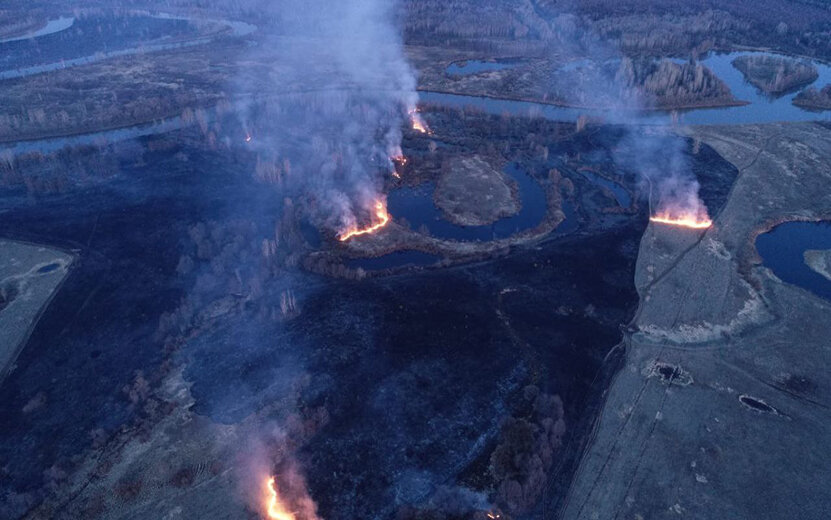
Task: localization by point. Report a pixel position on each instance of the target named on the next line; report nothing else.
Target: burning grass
(382, 218)
(275, 508)
(418, 124)
(691, 221)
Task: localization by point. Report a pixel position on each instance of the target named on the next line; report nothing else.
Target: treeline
(666, 83)
(669, 34)
(475, 25)
(57, 172)
(662, 27)
(798, 14)
(115, 93)
(816, 99)
(16, 23)
(775, 74)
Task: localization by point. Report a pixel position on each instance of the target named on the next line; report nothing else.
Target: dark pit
(756, 404)
(48, 268)
(8, 292)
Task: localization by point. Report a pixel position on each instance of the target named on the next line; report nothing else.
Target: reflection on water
(782, 251)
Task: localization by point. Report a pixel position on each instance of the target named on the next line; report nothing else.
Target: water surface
(469, 67)
(761, 108)
(67, 42)
(621, 195)
(52, 26)
(782, 251)
(415, 204)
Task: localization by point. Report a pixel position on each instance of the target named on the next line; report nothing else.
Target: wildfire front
(381, 219)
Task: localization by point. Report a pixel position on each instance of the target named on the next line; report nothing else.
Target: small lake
(469, 67)
(415, 204)
(782, 251)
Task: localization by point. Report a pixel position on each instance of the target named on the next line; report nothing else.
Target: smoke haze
(336, 91)
(655, 154)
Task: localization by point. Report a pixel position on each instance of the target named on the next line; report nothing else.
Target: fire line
(382, 216)
(687, 221)
(275, 508)
(418, 123)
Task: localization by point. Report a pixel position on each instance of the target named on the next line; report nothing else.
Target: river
(760, 108)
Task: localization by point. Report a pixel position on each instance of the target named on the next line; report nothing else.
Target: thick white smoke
(328, 107)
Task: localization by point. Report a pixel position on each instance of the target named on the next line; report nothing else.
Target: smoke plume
(324, 114)
(330, 102)
(654, 153)
(268, 456)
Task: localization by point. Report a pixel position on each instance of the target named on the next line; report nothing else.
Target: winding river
(53, 47)
(415, 204)
(760, 108)
(51, 27)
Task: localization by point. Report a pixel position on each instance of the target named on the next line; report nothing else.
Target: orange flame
(398, 160)
(687, 220)
(420, 126)
(274, 506)
(382, 219)
(418, 123)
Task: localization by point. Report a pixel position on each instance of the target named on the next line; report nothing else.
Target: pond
(782, 251)
(415, 204)
(469, 67)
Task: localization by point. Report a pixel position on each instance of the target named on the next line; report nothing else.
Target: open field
(706, 394)
(29, 277)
